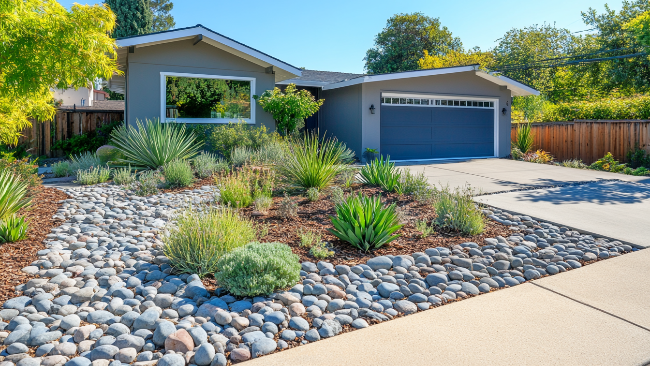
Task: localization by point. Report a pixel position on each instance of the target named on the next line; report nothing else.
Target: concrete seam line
(593, 307)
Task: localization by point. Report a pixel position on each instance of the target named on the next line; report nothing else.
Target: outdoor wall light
(504, 111)
(372, 109)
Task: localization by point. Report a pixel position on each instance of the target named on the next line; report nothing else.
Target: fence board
(590, 140)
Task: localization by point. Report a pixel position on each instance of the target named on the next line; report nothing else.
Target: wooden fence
(40, 138)
(590, 140)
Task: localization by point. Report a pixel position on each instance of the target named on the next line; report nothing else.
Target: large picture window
(207, 99)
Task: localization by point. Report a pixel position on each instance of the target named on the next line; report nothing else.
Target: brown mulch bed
(16, 256)
(314, 216)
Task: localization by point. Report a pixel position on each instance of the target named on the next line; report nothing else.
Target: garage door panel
(464, 134)
(405, 116)
(407, 151)
(464, 150)
(406, 135)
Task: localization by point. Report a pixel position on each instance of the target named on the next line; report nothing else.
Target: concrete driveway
(610, 205)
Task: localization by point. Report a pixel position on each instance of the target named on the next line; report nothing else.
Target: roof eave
(516, 88)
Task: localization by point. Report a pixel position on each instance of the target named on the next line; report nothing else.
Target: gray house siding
(457, 84)
(340, 116)
(146, 64)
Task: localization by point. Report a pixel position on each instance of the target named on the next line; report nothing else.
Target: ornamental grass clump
(152, 144)
(93, 175)
(410, 183)
(84, 161)
(124, 176)
(62, 169)
(524, 139)
(242, 186)
(365, 222)
(456, 210)
(13, 194)
(311, 162)
(207, 164)
(258, 269)
(178, 173)
(200, 238)
(382, 173)
(147, 183)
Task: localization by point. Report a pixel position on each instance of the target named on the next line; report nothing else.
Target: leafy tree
(290, 107)
(134, 17)
(399, 46)
(457, 58)
(162, 20)
(41, 49)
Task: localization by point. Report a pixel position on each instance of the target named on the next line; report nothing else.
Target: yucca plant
(525, 139)
(382, 173)
(311, 162)
(13, 194)
(153, 144)
(13, 228)
(364, 222)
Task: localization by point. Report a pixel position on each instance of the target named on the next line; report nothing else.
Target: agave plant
(382, 173)
(13, 194)
(364, 222)
(152, 144)
(13, 228)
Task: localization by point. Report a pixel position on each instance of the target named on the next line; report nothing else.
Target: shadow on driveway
(603, 193)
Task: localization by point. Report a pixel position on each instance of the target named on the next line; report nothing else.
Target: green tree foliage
(41, 49)
(134, 17)
(400, 45)
(162, 20)
(457, 58)
(290, 107)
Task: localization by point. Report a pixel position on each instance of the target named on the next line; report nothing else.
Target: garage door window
(438, 102)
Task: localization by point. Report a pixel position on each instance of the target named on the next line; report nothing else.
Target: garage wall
(146, 64)
(457, 84)
(340, 116)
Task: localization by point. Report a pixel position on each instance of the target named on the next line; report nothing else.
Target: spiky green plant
(382, 173)
(84, 161)
(152, 144)
(313, 194)
(365, 223)
(13, 228)
(311, 161)
(13, 194)
(525, 139)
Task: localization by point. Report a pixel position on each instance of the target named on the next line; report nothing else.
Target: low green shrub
(242, 186)
(25, 169)
(124, 176)
(93, 175)
(456, 210)
(258, 269)
(321, 251)
(608, 164)
(178, 173)
(311, 162)
(382, 173)
(574, 163)
(241, 155)
(425, 195)
(313, 194)
(199, 239)
(308, 238)
(87, 142)
(412, 182)
(641, 171)
(288, 207)
(516, 154)
(337, 195)
(263, 204)
(225, 138)
(638, 158)
(13, 194)
(62, 169)
(423, 227)
(108, 153)
(207, 164)
(365, 223)
(13, 229)
(271, 153)
(147, 184)
(84, 161)
(348, 175)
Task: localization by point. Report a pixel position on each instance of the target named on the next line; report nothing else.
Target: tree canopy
(457, 58)
(162, 19)
(134, 17)
(400, 45)
(289, 107)
(42, 49)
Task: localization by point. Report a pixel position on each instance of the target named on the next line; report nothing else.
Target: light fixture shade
(372, 109)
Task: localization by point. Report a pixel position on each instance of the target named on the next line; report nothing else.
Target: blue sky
(334, 35)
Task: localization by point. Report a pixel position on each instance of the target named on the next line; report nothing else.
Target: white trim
(518, 89)
(186, 33)
(442, 96)
(399, 75)
(163, 98)
(303, 83)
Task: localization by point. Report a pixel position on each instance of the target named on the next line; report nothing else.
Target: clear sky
(333, 35)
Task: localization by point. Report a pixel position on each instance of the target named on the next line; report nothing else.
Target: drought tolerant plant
(524, 139)
(638, 158)
(410, 183)
(574, 163)
(382, 173)
(242, 186)
(178, 173)
(641, 171)
(608, 164)
(456, 210)
(263, 204)
(516, 154)
(124, 176)
(84, 161)
(13, 194)
(271, 153)
(539, 157)
(206, 164)
(287, 208)
(425, 195)
(258, 269)
(200, 238)
(313, 194)
(289, 107)
(93, 175)
(364, 222)
(320, 250)
(240, 155)
(24, 169)
(348, 175)
(337, 195)
(310, 161)
(62, 169)
(147, 183)
(308, 238)
(225, 138)
(424, 229)
(13, 228)
(152, 144)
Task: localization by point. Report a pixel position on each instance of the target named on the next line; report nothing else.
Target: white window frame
(448, 97)
(163, 98)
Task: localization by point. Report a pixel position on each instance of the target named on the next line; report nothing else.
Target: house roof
(281, 69)
(319, 78)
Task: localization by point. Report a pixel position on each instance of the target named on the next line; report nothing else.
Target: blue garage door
(436, 132)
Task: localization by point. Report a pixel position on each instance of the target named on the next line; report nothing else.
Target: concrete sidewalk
(595, 315)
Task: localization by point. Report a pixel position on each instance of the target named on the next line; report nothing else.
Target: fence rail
(41, 137)
(590, 140)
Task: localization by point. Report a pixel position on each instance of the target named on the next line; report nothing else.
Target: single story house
(195, 75)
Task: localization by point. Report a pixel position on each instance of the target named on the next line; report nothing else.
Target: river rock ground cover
(102, 292)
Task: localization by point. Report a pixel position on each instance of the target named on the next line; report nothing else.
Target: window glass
(416, 101)
(491, 104)
(437, 102)
(395, 100)
(456, 102)
(424, 101)
(444, 102)
(409, 101)
(207, 98)
(402, 100)
(475, 103)
(463, 103)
